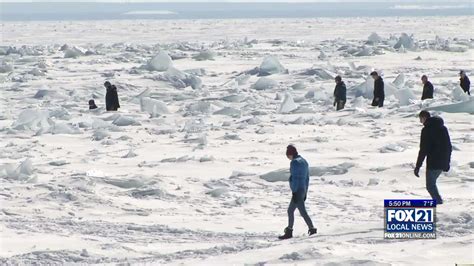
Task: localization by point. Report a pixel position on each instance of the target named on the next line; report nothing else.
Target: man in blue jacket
(299, 182)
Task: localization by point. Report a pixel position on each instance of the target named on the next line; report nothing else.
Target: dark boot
(288, 234)
(312, 231)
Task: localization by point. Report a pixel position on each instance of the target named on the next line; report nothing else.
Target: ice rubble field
(192, 169)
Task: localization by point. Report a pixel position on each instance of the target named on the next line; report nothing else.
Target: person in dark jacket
(299, 182)
(92, 105)
(111, 97)
(427, 88)
(464, 82)
(339, 93)
(379, 93)
(435, 144)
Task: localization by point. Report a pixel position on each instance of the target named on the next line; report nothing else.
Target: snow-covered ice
(191, 170)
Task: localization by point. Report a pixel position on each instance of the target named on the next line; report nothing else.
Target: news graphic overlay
(410, 219)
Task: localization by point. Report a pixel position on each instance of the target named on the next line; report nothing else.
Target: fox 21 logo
(410, 219)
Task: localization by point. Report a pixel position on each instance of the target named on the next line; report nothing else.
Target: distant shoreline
(76, 11)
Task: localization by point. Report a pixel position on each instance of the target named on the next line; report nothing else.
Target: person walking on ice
(435, 144)
(111, 97)
(427, 88)
(379, 91)
(464, 82)
(339, 93)
(299, 182)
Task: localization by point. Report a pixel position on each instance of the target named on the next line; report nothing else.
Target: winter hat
(291, 150)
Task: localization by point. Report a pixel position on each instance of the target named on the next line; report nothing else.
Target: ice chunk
(100, 134)
(218, 192)
(374, 38)
(130, 154)
(155, 193)
(365, 51)
(265, 84)
(6, 67)
(33, 120)
(229, 111)
(63, 128)
(242, 79)
(36, 72)
(402, 49)
(392, 147)
(206, 158)
(271, 65)
(180, 79)
(23, 172)
(459, 95)
(73, 53)
(462, 107)
(125, 121)
(199, 107)
(64, 47)
(456, 48)
(288, 105)
(99, 123)
(359, 102)
(390, 89)
(145, 93)
(399, 80)
(322, 55)
(405, 41)
(373, 182)
(47, 93)
(112, 117)
(205, 55)
(58, 163)
(236, 98)
(194, 81)
(309, 94)
(298, 86)
(153, 107)
(42, 65)
(161, 62)
(320, 95)
(136, 182)
(196, 72)
(321, 73)
(405, 96)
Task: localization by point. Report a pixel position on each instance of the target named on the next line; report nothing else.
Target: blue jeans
(297, 202)
(431, 177)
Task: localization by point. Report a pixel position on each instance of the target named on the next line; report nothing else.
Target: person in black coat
(464, 82)
(92, 105)
(435, 144)
(339, 93)
(111, 97)
(379, 93)
(427, 88)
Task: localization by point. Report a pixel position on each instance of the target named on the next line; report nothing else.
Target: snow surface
(191, 169)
